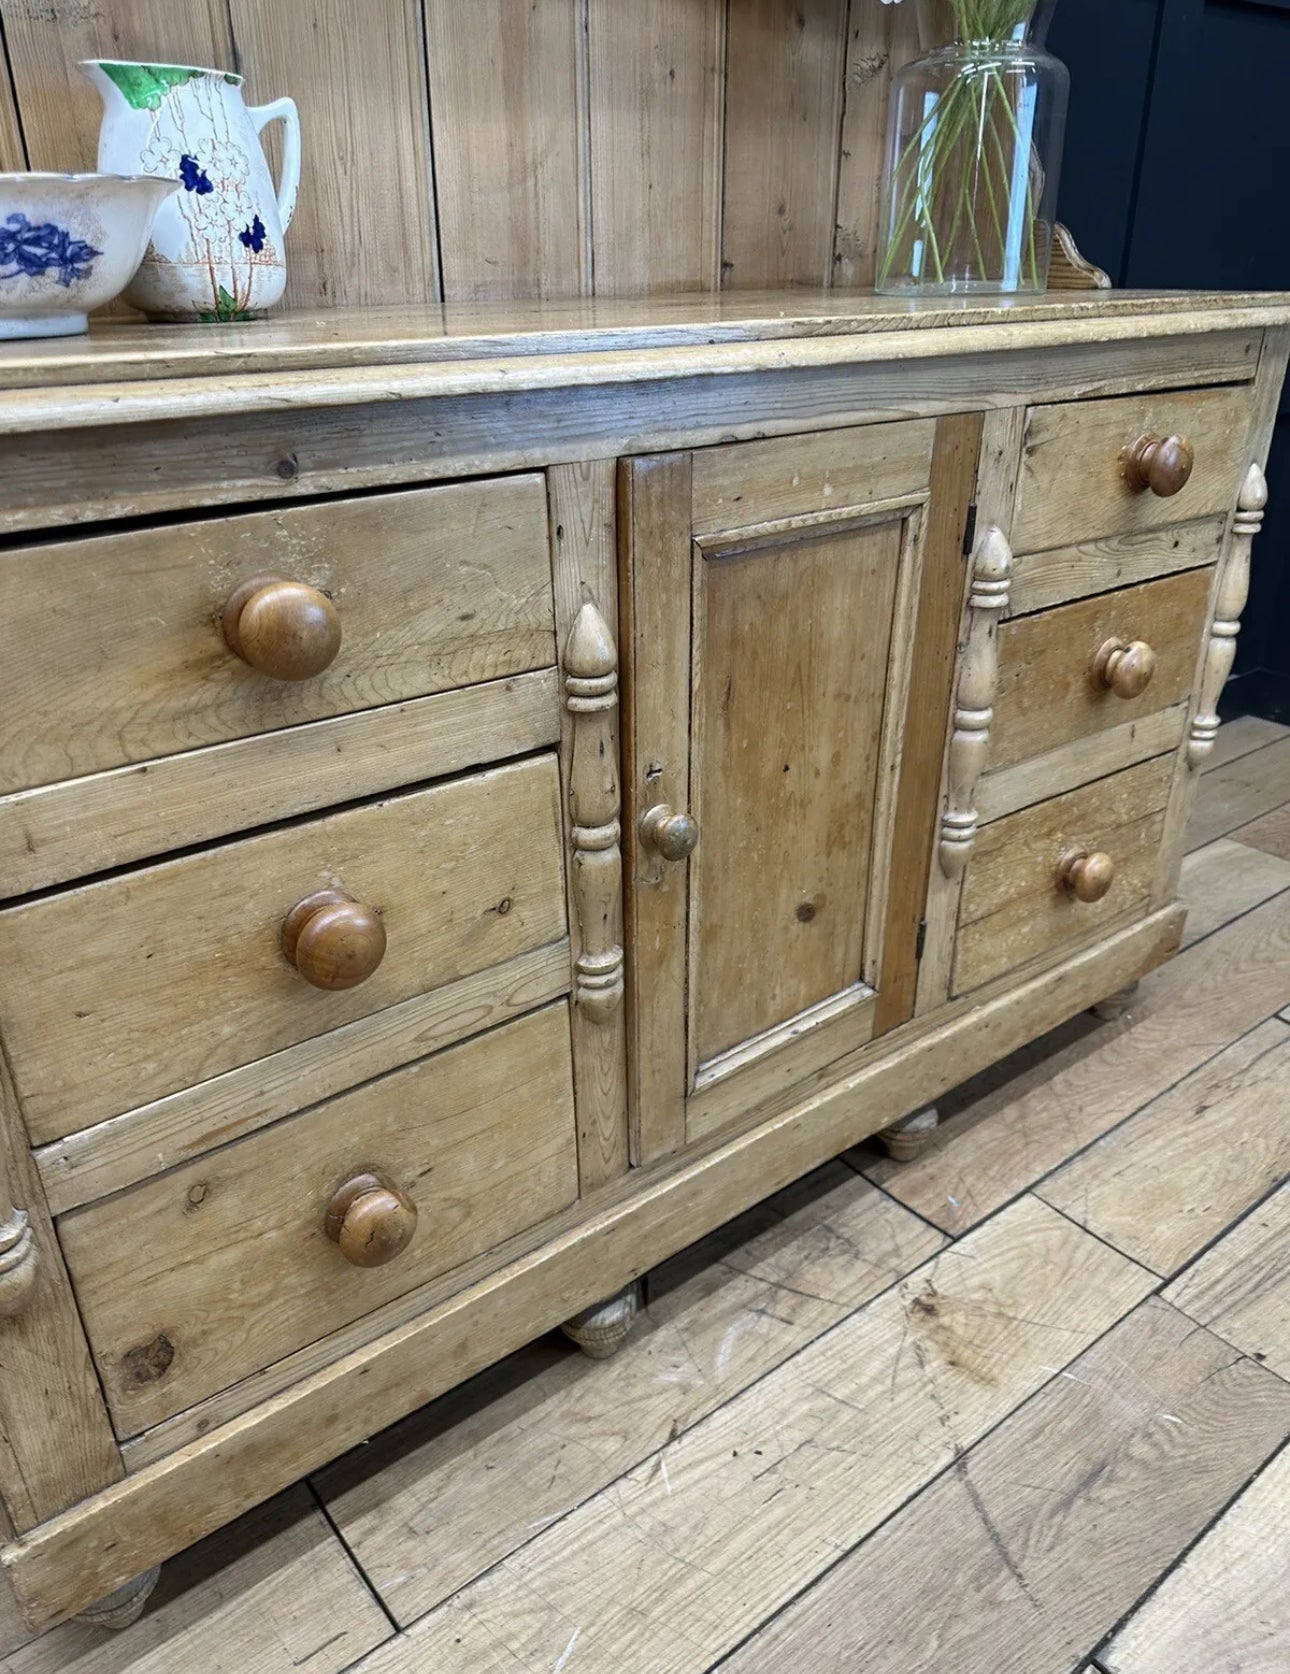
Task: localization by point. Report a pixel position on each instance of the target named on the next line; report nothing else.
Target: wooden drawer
(192, 1280)
(1073, 487)
(124, 990)
(112, 650)
(1016, 907)
(1049, 692)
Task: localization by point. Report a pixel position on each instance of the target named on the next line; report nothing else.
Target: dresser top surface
(439, 335)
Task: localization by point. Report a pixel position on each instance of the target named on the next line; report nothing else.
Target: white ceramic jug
(216, 251)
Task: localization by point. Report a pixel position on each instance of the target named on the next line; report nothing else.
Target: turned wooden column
(1233, 591)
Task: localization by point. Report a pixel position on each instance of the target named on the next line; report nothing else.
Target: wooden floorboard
(435, 1501)
(671, 1567)
(1165, 1184)
(1228, 1605)
(839, 1441)
(1240, 791)
(1049, 1529)
(1071, 1089)
(1240, 1288)
(1224, 880)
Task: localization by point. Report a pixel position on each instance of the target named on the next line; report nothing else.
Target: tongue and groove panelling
(470, 149)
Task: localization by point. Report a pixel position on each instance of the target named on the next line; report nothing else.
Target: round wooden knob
(1124, 667)
(1163, 466)
(674, 836)
(371, 1220)
(1087, 876)
(333, 940)
(282, 628)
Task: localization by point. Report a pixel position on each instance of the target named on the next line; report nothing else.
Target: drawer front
(125, 990)
(1020, 899)
(1059, 682)
(1073, 485)
(112, 649)
(193, 1280)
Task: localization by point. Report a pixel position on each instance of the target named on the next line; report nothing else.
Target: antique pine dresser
(486, 797)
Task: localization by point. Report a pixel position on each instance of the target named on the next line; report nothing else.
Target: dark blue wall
(1176, 171)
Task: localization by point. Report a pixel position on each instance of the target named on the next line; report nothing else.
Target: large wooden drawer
(1049, 692)
(1015, 906)
(192, 1280)
(121, 991)
(112, 649)
(1073, 485)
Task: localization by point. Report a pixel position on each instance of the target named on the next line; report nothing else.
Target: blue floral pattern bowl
(69, 243)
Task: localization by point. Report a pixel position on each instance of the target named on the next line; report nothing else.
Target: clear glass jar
(974, 144)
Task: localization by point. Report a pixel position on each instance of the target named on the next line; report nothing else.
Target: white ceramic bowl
(69, 243)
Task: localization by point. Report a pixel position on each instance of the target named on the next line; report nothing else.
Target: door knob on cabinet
(281, 628)
(333, 940)
(1164, 465)
(1086, 875)
(674, 836)
(371, 1220)
(1124, 667)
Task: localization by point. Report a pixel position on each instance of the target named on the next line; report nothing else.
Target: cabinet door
(792, 609)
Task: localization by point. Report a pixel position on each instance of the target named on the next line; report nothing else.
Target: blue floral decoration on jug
(32, 250)
(254, 235)
(194, 177)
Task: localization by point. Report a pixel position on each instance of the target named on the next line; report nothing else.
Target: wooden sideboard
(487, 796)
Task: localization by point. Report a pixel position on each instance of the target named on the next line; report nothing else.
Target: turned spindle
(281, 628)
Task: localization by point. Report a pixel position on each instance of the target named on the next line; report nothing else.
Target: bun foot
(1115, 1006)
(908, 1139)
(123, 1606)
(600, 1331)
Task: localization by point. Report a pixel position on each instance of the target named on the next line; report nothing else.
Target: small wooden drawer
(1078, 481)
(192, 1280)
(116, 649)
(1028, 885)
(1080, 669)
(123, 991)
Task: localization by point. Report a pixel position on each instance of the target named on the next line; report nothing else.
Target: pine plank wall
(471, 149)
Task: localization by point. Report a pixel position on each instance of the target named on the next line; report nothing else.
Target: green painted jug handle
(283, 110)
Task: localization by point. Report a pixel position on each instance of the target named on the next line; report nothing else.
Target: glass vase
(974, 145)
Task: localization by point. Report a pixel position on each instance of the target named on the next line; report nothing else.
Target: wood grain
(1095, 756)
(1224, 880)
(1046, 696)
(13, 154)
(1270, 833)
(79, 826)
(1043, 579)
(1027, 1118)
(681, 1557)
(1226, 1605)
(1241, 736)
(111, 648)
(785, 66)
(1072, 489)
(271, 1593)
(1057, 1517)
(657, 80)
(1240, 1289)
(508, 155)
(1165, 1184)
(786, 763)
(423, 1510)
(879, 40)
(366, 176)
(585, 568)
(1013, 909)
(466, 874)
(1240, 792)
(154, 1137)
(223, 1261)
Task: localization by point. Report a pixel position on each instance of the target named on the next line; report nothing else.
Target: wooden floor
(1018, 1406)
